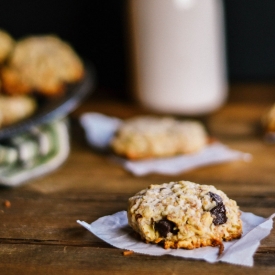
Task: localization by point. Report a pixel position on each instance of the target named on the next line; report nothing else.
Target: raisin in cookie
(184, 215)
(151, 137)
(43, 64)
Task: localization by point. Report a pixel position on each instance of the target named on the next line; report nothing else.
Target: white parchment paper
(100, 129)
(114, 229)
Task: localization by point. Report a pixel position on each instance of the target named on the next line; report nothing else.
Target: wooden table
(39, 233)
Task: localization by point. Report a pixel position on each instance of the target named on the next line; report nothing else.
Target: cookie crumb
(7, 204)
(128, 252)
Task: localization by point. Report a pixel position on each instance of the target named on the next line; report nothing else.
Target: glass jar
(178, 55)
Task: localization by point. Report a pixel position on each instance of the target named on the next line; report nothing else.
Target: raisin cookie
(44, 64)
(184, 215)
(151, 137)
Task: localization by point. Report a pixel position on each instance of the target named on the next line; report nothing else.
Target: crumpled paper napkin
(99, 130)
(114, 229)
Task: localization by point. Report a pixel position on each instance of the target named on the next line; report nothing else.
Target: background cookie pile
(35, 65)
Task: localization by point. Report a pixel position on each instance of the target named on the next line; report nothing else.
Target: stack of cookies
(35, 65)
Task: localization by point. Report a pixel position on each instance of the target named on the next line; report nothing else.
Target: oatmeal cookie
(44, 64)
(184, 215)
(15, 108)
(6, 45)
(151, 137)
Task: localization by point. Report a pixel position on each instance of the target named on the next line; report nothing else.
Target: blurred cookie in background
(6, 45)
(268, 124)
(146, 137)
(15, 108)
(41, 64)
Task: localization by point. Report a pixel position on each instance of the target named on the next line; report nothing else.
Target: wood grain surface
(38, 230)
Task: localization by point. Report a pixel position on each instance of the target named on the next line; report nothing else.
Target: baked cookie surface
(6, 45)
(150, 137)
(43, 64)
(184, 215)
(15, 108)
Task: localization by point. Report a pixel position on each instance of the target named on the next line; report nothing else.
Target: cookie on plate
(6, 45)
(15, 108)
(184, 214)
(151, 137)
(44, 64)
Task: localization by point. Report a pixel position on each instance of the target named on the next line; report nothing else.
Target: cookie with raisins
(184, 214)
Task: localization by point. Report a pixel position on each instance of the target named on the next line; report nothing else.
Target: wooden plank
(47, 259)
(39, 233)
(52, 219)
